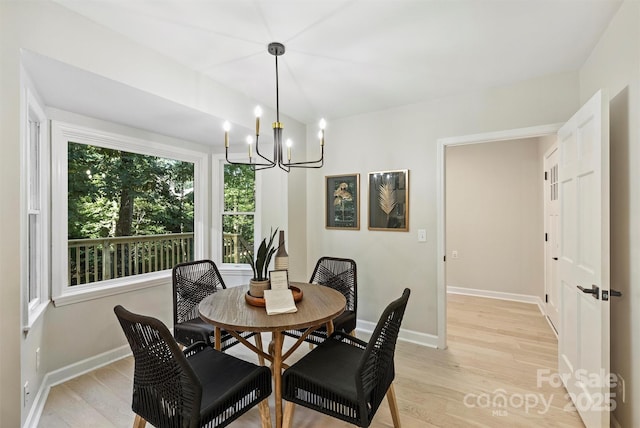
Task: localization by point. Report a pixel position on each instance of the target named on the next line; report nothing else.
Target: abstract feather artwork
(389, 200)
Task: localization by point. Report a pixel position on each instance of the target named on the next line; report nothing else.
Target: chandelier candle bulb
(258, 113)
(226, 127)
(322, 124)
(249, 141)
(289, 144)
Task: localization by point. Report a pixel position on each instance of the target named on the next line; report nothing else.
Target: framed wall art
(389, 200)
(342, 201)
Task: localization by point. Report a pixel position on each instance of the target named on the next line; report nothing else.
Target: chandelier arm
(229, 161)
(283, 167)
(309, 163)
(260, 168)
(271, 162)
(300, 165)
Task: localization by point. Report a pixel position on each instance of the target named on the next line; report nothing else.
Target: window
(239, 212)
(133, 209)
(36, 156)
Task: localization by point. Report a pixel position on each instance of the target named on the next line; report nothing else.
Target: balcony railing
(92, 260)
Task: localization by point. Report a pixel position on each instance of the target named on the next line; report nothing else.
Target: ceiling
(349, 57)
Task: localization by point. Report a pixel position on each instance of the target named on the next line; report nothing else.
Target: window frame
(61, 134)
(33, 112)
(232, 269)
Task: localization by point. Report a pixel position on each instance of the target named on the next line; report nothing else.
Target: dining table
(229, 309)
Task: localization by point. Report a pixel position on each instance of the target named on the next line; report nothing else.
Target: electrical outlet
(37, 359)
(26, 393)
(454, 254)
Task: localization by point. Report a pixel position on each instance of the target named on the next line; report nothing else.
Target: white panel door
(583, 346)
(552, 228)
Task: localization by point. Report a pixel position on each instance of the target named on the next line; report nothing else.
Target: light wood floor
(495, 349)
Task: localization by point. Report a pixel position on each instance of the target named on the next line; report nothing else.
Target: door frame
(443, 143)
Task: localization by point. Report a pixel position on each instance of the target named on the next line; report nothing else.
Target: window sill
(111, 287)
(235, 269)
(235, 274)
(34, 314)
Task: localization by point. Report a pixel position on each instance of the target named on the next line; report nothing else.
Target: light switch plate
(422, 235)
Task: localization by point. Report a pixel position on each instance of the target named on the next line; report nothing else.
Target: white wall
(406, 137)
(614, 65)
(494, 217)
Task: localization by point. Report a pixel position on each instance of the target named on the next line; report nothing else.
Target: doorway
(443, 144)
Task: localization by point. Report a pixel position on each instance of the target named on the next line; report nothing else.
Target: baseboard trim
(64, 374)
(523, 298)
(423, 339)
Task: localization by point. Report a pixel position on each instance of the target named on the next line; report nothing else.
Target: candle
(289, 144)
(226, 127)
(322, 124)
(249, 142)
(258, 113)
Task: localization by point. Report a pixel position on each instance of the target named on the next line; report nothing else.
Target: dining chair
(192, 282)
(341, 275)
(197, 387)
(345, 377)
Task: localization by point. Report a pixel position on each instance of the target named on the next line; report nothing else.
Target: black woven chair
(192, 282)
(200, 387)
(341, 275)
(345, 377)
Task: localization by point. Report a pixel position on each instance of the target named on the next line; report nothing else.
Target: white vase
(282, 258)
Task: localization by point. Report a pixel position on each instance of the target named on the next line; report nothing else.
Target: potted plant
(260, 265)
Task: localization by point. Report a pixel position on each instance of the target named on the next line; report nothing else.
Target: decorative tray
(259, 301)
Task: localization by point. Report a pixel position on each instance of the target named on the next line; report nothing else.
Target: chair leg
(287, 418)
(139, 422)
(259, 346)
(393, 406)
(265, 414)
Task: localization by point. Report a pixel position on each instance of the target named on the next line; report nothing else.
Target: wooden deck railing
(92, 260)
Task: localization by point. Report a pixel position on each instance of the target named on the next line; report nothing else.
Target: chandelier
(260, 161)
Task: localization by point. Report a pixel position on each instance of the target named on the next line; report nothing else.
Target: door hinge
(545, 176)
(444, 259)
(546, 237)
(546, 298)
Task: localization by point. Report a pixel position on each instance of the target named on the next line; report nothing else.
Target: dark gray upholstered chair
(197, 387)
(192, 282)
(348, 378)
(341, 275)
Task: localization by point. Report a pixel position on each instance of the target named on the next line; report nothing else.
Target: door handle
(554, 258)
(594, 291)
(615, 293)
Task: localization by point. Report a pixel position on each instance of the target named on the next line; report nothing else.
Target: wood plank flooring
(499, 353)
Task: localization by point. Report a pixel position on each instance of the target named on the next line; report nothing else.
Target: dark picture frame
(342, 201)
(389, 200)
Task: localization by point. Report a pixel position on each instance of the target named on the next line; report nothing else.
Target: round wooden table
(227, 309)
